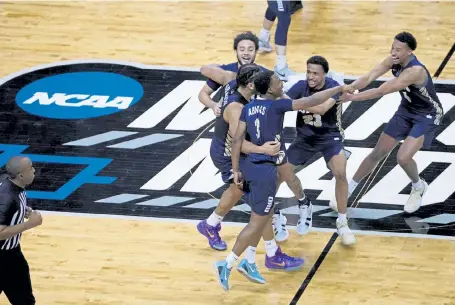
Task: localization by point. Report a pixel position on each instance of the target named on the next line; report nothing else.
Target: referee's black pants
(15, 277)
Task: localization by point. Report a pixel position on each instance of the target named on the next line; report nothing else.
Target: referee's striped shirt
(13, 203)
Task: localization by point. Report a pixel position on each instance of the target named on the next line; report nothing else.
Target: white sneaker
(279, 227)
(265, 46)
(415, 198)
(284, 73)
(305, 219)
(347, 237)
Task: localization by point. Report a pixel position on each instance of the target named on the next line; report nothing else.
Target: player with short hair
(262, 120)
(319, 130)
(245, 46)
(415, 121)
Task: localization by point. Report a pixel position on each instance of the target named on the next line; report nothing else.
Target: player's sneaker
(212, 235)
(250, 271)
(223, 273)
(347, 237)
(281, 261)
(265, 46)
(279, 226)
(415, 198)
(284, 72)
(305, 217)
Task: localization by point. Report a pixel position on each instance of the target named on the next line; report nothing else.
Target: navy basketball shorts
(302, 149)
(404, 124)
(280, 6)
(224, 164)
(261, 179)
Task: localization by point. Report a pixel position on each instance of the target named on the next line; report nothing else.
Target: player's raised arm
(217, 74)
(377, 71)
(318, 98)
(408, 77)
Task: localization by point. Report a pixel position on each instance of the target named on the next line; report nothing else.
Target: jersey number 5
(313, 119)
(258, 131)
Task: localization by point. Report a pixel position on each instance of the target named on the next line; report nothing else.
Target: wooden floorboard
(353, 35)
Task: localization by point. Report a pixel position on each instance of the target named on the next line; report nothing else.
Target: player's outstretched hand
(348, 89)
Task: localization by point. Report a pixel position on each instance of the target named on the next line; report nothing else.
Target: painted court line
(239, 224)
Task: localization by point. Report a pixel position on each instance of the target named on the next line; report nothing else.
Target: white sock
(418, 185)
(281, 61)
(251, 254)
(264, 35)
(214, 219)
(231, 259)
(342, 217)
(270, 247)
(351, 187)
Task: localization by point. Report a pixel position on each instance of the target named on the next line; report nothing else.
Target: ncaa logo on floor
(79, 95)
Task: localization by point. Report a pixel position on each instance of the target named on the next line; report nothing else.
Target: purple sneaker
(283, 261)
(212, 235)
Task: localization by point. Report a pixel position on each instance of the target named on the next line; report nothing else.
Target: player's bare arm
(217, 74)
(323, 108)
(319, 109)
(232, 114)
(414, 75)
(318, 98)
(374, 74)
(237, 142)
(206, 100)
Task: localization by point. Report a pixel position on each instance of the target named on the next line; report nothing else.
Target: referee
(14, 271)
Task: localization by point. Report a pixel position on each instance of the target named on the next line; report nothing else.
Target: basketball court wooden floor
(123, 192)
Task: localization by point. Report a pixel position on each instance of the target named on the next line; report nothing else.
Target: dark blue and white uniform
(220, 148)
(264, 122)
(420, 111)
(229, 88)
(316, 133)
(226, 89)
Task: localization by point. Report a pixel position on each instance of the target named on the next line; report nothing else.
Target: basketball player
(212, 225)
(319, 130)
(14, 270)
(281, 9)
(261, 121)
(245, 47)
(415, 121)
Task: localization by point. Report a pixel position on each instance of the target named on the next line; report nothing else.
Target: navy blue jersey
(307, 123)
(222, 140)
(264, 122)
(230, 87)
(233, 67)
(421, 100)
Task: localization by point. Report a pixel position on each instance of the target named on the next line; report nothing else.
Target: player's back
(420, 100)
(264, 122)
